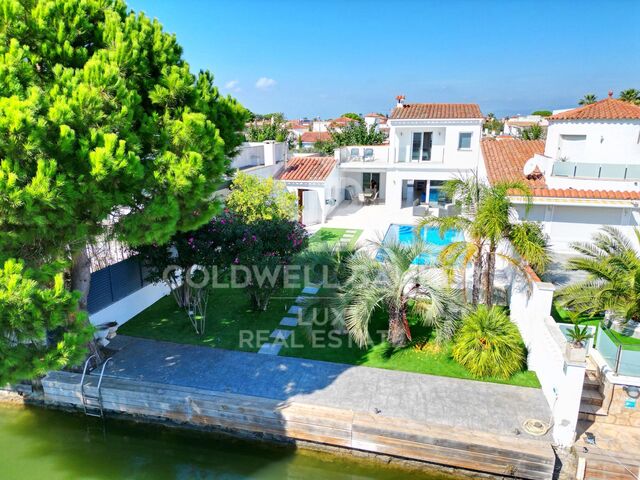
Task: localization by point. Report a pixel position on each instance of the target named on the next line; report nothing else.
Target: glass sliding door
(421, 146)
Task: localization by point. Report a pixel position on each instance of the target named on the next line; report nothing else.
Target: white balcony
(363, 157)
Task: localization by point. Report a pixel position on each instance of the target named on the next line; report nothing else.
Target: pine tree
(103, 129)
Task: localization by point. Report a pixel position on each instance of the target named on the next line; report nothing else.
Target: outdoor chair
(361, 198)
(368, 154)
(374, 198)
(354, 154)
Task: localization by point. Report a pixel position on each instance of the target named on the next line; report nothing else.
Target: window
(421, 146)
(437, 196)
(464, 141)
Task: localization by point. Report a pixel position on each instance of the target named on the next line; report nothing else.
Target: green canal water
(52, 445)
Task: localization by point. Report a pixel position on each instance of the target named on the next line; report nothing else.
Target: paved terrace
(442, 401)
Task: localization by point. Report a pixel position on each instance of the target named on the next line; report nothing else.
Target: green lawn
(330, 236)
(231, 319)
(628, 343)
(561, 315)
(229, 313)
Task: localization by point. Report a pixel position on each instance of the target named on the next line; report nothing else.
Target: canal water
(52, 445)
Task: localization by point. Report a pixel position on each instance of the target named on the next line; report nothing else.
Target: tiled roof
(505, 159)
(436, 110)
(377, 115)
(313, 137)
(307, 169)
(341, 121)
(607, 109)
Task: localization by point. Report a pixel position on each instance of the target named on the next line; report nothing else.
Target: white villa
(429, 143)
(585, 175)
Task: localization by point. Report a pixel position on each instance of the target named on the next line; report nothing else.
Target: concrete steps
(591, 404)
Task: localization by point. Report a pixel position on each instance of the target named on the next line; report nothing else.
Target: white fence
(562, 381)
(254, 154)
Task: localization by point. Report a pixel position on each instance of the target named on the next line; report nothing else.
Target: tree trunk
(81, 282)
(397, 335)
(81, 276)
(489, 274)
(477, 278)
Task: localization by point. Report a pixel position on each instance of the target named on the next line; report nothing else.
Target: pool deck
(463, 423)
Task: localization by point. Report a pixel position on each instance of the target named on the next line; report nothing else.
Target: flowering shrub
(255, 254)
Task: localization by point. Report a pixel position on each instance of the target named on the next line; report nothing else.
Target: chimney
(610, 93)
(400, 99)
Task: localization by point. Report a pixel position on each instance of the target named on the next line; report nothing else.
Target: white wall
(565, 224)
(608, 141)
(561, 381)
(125, 309)
(445, 139)
(252, 154)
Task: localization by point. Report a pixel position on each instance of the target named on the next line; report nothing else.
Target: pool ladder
(92, 403)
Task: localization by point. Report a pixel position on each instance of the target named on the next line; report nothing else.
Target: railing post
(618, 358)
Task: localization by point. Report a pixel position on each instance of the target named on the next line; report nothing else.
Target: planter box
(575, 354)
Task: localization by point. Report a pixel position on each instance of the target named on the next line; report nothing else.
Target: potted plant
(576, 351)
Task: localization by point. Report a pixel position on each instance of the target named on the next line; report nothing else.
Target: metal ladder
(92, 404)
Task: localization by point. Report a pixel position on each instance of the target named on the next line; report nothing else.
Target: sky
(325, 57)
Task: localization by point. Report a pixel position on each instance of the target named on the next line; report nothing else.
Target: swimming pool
(406, 234)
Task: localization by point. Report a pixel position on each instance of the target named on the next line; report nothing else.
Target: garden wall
(530, 308)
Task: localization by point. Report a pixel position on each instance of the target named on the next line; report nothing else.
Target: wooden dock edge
(306, 422)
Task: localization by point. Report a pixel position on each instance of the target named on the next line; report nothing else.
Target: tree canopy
(253, 198)
(103, 130)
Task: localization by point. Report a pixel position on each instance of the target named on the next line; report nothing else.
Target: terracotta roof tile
(505, 159)
(436, 110)
(307, 169)
(313, 137)
(609, 108)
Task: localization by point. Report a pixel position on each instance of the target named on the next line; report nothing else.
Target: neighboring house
(377, 121)
(429, 143)
(585, 175)
(309, 139)
(298, 127)
(316, 182)
(514, 125)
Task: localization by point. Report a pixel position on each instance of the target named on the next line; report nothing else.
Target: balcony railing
(622, 359)
(365, 154)
(602, 171)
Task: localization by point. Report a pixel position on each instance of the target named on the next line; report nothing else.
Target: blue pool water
(406, 234)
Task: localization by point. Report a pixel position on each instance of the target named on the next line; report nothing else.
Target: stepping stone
(302, 299)
(280, 334)
(310, 290)
(289, 322)
(295, 310)
(270, 348)
(348, 235)
(350, 231)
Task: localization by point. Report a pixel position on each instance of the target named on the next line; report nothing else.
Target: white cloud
(233, 85)
(265, 83)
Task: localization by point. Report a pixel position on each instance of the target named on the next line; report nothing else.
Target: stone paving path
(478, 406)
(295, 312)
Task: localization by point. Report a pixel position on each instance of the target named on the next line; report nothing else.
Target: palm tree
(491, 229)
(612, 264)
(394, 283)
(630, 95)
(534, 132)
(588, 99)
(467, 193)
(505, 234)
(489, 344)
